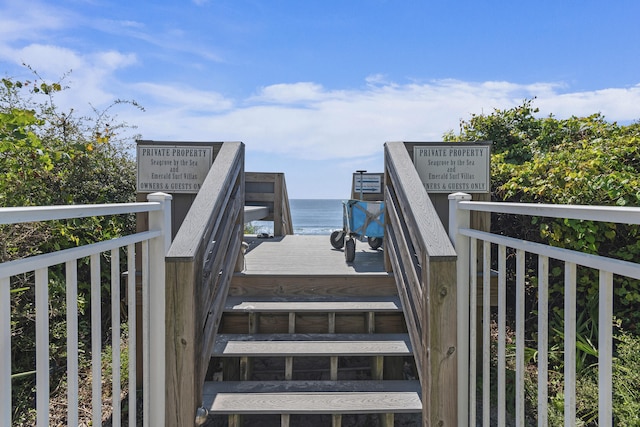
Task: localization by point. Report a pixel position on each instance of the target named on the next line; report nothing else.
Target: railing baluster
(486, 333)
(502, 332)
(458, 219)
(156, 301)
(520, 337)
(570, 273)
(5, 351)
(71, 275)
(473, 328)
(96, 339)
(146, 398)
(605, 351)
(115, 337)
(42, 346)
(131, 314)
(543, 339)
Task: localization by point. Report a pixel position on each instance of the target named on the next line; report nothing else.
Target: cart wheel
(374, 242)
(350, 250)
(337, 239)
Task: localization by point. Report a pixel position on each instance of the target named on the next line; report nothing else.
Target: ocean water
(310, 216)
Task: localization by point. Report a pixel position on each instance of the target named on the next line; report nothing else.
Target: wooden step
(312, 397)
(274, 345)
(313, 305)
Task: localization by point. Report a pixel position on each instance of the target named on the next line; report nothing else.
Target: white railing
(154, 243)
(466, 242)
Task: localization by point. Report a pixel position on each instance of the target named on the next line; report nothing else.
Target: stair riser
(293, 285)
(271, 323)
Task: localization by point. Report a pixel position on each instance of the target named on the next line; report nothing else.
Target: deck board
(313, 345)
(308, 255)
(295, 397)
(316, 304)
(316, 403)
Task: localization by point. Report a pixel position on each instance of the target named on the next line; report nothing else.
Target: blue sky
(315, 88)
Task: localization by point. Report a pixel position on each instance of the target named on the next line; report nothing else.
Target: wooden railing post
(441, 317)
(199, 267)
(424, 266)
(458, 219)
(158, 247)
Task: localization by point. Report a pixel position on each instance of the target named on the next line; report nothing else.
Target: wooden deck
(303, 265)
(308, 255)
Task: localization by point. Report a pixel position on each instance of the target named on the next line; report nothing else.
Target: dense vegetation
(52, 157)
(579, 160)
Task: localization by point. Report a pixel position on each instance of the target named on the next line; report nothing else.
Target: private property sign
(452, 167)
(173, 168)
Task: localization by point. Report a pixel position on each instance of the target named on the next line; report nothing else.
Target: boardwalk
(308, 255)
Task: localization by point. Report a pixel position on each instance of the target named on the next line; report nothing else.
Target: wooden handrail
(199, 267)
(423, 261)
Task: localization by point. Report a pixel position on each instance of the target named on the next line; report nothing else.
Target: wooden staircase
(311, 350)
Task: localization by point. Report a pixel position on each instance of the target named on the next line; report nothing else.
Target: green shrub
(585, 161)
(50, 157)
(579, 160)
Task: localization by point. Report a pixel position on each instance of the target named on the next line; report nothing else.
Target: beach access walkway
(306, 333)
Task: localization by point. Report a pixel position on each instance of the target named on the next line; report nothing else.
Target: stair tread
(317, 397)
(312, 304)
(229, 345)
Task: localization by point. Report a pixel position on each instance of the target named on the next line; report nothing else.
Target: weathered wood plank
(308, 255)
(259, 197)
(297, 345)
(301, 285)
(442, 356)
(315, 403)
(406, 256)
(405, 394)
(285, 336)
(237, 323)
(260, 176)
(326, 304)
(182, 346)
(255, 213)
(219, 181)
(213, 387)
(278, 226)
(270, 190)
(413, 198)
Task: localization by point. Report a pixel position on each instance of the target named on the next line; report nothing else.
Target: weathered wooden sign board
(452, 167)
(172, 168)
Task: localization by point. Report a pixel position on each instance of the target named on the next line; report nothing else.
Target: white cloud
(307, 121)
(113, 60)
(20, 21)
(184, 98)
(291, 93)
(49, 60)
(90, 77)
(616, 104)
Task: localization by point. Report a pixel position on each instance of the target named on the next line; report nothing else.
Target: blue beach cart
(362, 219)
